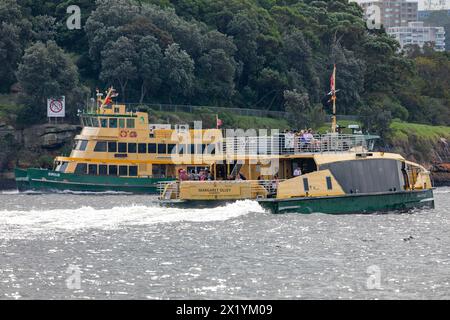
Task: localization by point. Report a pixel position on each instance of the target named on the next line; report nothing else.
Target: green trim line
(352, 203)
(47, 180)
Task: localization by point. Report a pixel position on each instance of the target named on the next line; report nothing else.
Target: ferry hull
(50, 181)
(355, 203)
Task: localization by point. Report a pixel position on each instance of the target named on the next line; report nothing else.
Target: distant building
(424, 14)
(416, 33)
(393, 12)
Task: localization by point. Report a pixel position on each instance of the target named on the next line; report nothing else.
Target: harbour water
(118, 246)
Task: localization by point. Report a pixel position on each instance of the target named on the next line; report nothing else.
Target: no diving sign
(56, 107)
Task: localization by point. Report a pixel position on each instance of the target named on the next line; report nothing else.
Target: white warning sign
(56, 108)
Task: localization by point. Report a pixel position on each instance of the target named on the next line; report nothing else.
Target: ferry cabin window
(100, 146)
(122, 147)
(121, 123)
(123, 171)
(112, 147)
(133, 171)
(62, 167)
(81, 168)
(81, 145)
(130, 123)
(132, 148)
(104, 123)
(92, 169)
(159, 170)
(112, 170)
(162, 148)
(113, 123)
(171, 148)
(152, 148)
(211, 149)
(94, 122)
(103, 170)
(182, 149)
(142, 148)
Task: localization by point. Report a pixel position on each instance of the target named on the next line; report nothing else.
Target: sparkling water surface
(118, 246)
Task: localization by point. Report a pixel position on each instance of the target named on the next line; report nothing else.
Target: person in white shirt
(297, 172)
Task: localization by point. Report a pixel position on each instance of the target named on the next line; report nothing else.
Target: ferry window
(152, 148)
(62, 167)
(211, 149)
(192, 150)
(200, 148)
(130, 123)
(121, 123)
(171, 148)
(102, 170)
(112, 146)
(104, 123)
(329, 184)
(94, 122)
(122, 147)
(100, 146)
(81, 168)
(133, 171)
(162, 148)
(92, 169)
(132, 148)
(113, 170)
(81, 145)
(159, 170)
(113, 123)
(116, 110)
(182, 149)
(123, 170)
(142, 148)
(306, 184)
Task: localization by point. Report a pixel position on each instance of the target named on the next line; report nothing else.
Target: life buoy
(123, 134)
(133, 134)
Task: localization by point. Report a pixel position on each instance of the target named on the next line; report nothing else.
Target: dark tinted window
(171, 148)
(113, 170)
(133, 171)
(122, 123)
(100, 146)
(112, 146)
(113, 123)
(63, 167)
(122, 147)
(329, 184)
(81, 168)
(162, 148)
(142, 148)
(192, 148)
(130, 123)
(306, 184)
(123, 171)
(132, 148)
(104, 123)
(152, 148)
(103, 169)
(182, 149)
(92, 169)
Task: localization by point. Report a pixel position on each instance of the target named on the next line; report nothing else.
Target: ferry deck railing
(285, 144)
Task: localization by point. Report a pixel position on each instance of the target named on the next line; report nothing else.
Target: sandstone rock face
(49, 136)
(24, 148)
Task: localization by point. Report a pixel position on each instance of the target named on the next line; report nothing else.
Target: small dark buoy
(408, 239)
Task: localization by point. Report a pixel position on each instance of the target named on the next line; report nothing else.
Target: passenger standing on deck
(297, 172)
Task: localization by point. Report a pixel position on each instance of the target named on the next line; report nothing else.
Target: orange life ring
(133, 134)
(123, 134)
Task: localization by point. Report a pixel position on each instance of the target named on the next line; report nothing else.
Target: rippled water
(113, 246)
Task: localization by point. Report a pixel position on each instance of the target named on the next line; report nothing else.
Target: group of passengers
(202, 175)
(299, 139)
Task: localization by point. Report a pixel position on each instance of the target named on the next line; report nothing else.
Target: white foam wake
(43, 221)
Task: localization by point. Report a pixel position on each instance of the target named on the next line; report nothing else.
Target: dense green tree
(178, 72)
(149, 61)
(119, 63)
(47, 71)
